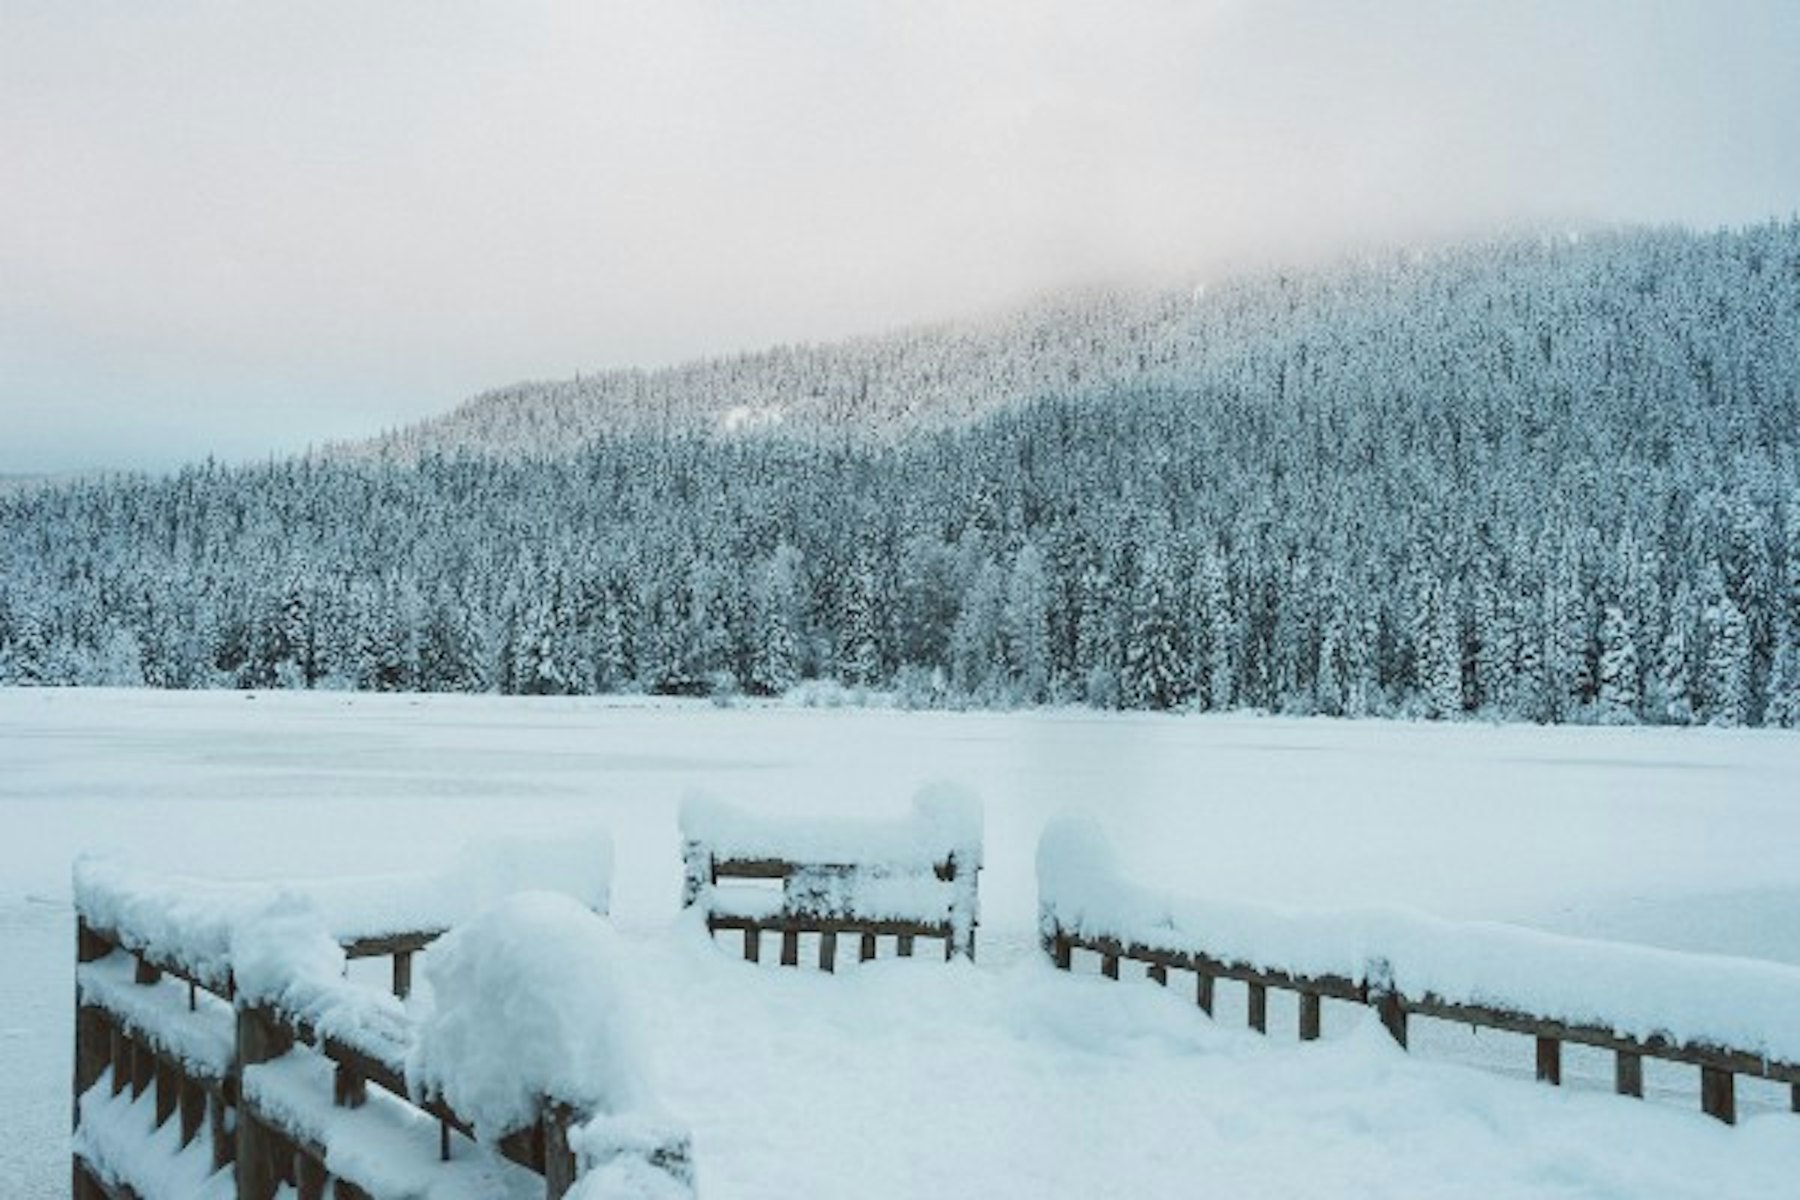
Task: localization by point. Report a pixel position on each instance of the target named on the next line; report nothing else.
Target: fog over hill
(1091, 341)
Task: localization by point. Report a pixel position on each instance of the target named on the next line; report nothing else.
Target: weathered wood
(790, 948)
(1794, 1098)
(310, 1177)
(1109, 965)
(91, 945)
(1203, 991)
(388, 944)
(168, 1089)
(349, 1088)
(143, 1067)
(903, 945)
(1158, 974)
(1549, 1061)
(218, 1126)
(752, 943)
(560, 1163)
(260, 1167)
(1718, 1094)
(1258, 1007)
(1392, 1010)
(403, 964)
(1062, 952)
(866, 947)
(343, 1189)
(118, 1045)
(1311, 1016)
(1628, 1074)
(192, 1108)
(144, 973)
(93, 1046)
(828, 952)
(83, 1185)
(443, 1141)
(1735, 1061)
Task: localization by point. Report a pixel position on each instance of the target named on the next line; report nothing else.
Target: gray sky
(234, 229)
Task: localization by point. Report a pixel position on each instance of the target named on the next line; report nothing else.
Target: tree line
(1538, 479)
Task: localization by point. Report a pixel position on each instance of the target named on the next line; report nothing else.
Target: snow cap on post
(526, 1006)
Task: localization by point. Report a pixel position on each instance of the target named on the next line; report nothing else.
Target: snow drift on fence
(945, 821)
(189, 922)
(545, 970)
(1635, 991)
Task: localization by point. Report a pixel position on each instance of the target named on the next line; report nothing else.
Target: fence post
(260, 1038)
(1203, 991)
(1549, 1061)
(1628, 1074)
(93, 1032)
(1718, 1094)
(1258, 1006)
(1309, 1016)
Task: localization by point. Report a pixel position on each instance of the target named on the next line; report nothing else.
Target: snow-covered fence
(221, 1051)
(910, 878)
(1726, 1016)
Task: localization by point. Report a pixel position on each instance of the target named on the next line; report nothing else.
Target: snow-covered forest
(1545, 479)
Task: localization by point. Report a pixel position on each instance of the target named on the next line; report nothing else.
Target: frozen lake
(1683, 838)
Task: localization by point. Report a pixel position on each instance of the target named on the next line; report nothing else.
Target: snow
(190, 921)
(526, 1003)
(999, 1078)
(945, 821)
(387, 1147)
(118, 1138)
(203, 1039)
(1636, 991)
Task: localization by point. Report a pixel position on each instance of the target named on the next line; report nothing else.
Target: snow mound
(945, 820)
(190, 922)
(526, 1006)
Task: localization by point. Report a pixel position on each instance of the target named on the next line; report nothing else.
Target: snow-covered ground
(1003, 1078)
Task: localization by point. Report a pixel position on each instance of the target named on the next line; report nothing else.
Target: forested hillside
(1553, 480)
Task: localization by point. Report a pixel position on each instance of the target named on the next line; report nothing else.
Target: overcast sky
(239, 228)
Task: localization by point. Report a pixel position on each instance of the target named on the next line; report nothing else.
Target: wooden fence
(1373, 986)
(837, 885)
(253, 1088)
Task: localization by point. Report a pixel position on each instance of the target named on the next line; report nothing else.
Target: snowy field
(1002, 1079)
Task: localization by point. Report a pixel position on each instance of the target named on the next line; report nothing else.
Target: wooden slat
(752, 943)
(168, 1088)
(1310, 1016)
(1549, 1061)
(192, 1108)
(403, 963)
(1718, 1094)
(119, 1051)
(903, 945)
(1391, 1008)
(790, 948)
(1628, 1074)
(1158, 974)
(813, 923)
(866, 947)
(311, 1177)
(828, 951)
(1203, 991)
(1109, 965)
(1258, 1007)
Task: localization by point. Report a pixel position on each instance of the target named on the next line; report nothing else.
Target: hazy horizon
(236, 233)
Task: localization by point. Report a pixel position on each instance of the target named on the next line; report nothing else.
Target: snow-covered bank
(1684, 838)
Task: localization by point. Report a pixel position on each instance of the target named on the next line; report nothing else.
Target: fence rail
(1067, 926)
